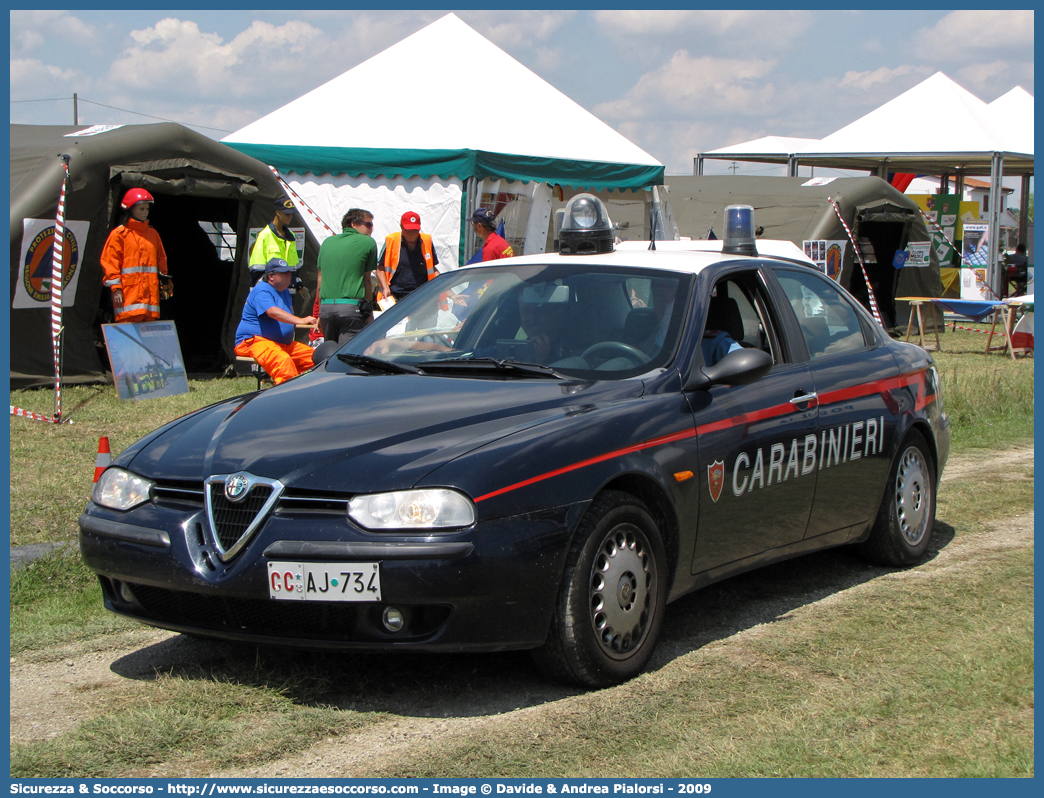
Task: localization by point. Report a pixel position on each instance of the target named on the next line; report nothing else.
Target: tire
(611, 604)
(903, 529)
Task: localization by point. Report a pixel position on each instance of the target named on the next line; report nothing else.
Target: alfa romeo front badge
(235, 487)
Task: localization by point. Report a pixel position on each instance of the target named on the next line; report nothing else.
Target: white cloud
(864, 80)
(694, 87)
(979, 79)
(777, 26)
(175, 56)
(31, 29)
(39, 77)
(961, 31)
(522, 29)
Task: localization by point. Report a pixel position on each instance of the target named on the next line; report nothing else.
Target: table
(978, 310)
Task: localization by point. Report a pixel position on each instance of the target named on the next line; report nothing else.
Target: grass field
(927, 672)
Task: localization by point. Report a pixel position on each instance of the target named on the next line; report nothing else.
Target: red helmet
(135, 195)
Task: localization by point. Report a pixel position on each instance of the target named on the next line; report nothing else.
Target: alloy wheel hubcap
(912, 496)
(622, 586)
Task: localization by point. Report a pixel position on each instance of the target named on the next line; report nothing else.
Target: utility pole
(76, 114)
(734, 167)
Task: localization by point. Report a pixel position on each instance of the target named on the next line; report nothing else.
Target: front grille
(294, 619)
(231, 520)
(306, 502)
(178, 492)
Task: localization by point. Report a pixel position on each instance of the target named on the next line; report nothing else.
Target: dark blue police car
(538, 453)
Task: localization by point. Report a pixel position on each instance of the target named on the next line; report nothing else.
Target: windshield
(587, 322)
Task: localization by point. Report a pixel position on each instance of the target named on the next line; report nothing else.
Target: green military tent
(208, 196)
(883, 221)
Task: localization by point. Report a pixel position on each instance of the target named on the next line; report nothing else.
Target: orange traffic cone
(104, 458)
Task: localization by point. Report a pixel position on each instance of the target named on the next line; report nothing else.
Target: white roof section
(1013, 115)
(935, 116)
(439, 61)
(689, 257)
(768, 144)
(767, 248)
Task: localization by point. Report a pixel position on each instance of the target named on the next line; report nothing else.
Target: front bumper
(490, 587)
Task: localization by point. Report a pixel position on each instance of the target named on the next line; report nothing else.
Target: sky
(675, 82)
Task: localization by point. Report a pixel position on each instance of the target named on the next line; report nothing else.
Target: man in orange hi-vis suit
(133, 262)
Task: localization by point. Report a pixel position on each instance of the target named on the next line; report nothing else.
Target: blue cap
(277, 265)
(483, 215)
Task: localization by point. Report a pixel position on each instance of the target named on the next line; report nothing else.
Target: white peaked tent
(937, 127)
(1012, 115)
(450, 151)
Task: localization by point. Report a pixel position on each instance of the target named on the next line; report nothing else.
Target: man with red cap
(133, 261)
(401, 269)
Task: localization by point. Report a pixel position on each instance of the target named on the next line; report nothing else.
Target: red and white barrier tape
(57, 276)
(57, 270)
(859, 257)
(934, 224)
(300, 203)
(17, 411)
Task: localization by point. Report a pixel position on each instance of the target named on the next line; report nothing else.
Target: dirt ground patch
(434, 699)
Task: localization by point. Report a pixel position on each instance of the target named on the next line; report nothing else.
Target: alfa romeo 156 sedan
(537, 453)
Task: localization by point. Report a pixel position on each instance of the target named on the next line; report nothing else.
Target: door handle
(805, 398)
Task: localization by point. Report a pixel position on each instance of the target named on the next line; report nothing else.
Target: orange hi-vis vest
(391, 254)
(132, 260)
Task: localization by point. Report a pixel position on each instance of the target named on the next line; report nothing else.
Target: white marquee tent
(937, 127)
(462, 152)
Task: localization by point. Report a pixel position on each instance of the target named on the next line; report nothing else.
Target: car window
(738, 310)
(829, 324)
(594, 322)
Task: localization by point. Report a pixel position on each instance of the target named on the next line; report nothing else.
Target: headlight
(430, 508)
(120, 490)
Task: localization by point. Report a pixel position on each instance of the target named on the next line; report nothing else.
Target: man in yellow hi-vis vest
(276, 240)
(401, 269)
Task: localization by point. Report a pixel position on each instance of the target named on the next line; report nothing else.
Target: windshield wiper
(371, 364)
(492, 364)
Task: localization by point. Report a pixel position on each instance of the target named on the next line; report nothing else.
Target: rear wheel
(904, 524)
(611, 604)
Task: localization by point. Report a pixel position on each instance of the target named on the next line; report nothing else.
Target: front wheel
(611, 605)
(903, 529)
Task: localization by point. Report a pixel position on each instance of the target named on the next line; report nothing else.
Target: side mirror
(324, 352)
(736, 368)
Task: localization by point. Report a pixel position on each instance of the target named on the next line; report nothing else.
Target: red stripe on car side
(677, 436)
(853, 392)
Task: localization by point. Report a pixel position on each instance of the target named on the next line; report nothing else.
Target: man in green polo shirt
(344, 288)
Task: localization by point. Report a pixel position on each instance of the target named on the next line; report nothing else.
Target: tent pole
(993, 274)
(697, 166)
(467, 235)
(1024, 210)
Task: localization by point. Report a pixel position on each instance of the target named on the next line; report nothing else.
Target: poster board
(33, 286)
(945, 211)
(919, 254)
(146, 360)
(828, 254)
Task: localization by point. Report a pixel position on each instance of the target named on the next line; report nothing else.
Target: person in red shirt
(494, 247)
(133, 262)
